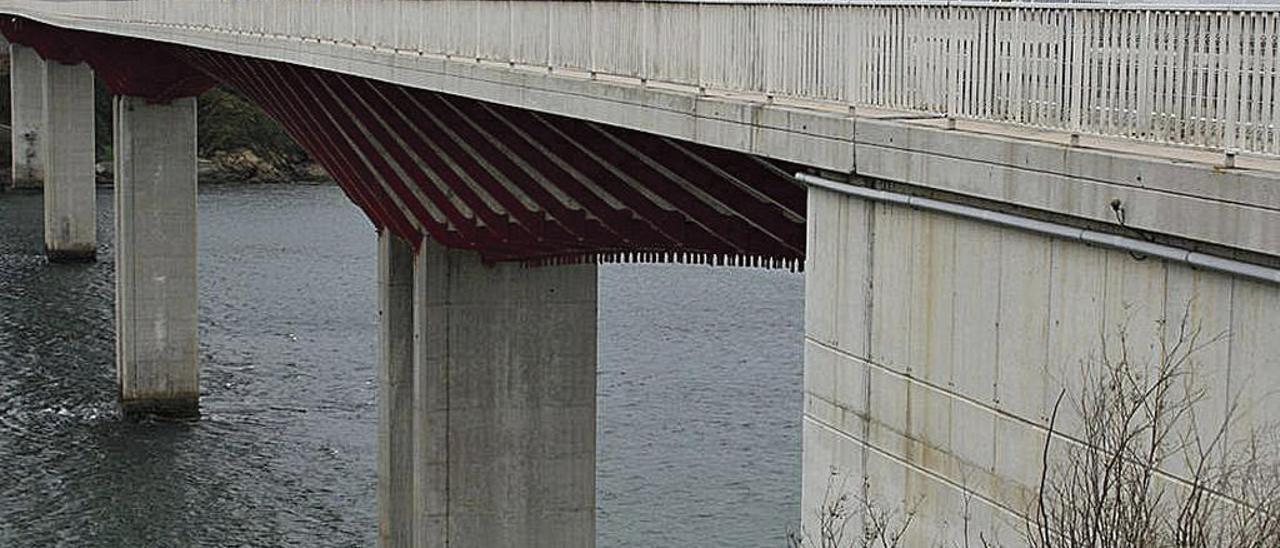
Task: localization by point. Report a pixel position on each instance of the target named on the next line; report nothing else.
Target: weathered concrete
(70, 230)
(155, 201)
(504, 402)
(936, 346)
(1164, 189)
(395, 391)
(26, 101)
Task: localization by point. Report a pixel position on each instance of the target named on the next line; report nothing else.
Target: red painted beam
(514, 184)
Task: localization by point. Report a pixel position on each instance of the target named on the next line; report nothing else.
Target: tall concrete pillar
(26, 100)
(70, 233)
(395, 391)
(504, 402)
(155, 201)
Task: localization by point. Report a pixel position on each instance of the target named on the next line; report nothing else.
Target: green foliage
(231, 125)
(241, 140)
(4, 90)
(103, 135)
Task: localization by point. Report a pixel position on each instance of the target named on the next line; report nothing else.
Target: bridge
(981, 197)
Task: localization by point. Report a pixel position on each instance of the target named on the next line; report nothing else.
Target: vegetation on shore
(243, 144)
(237, 142)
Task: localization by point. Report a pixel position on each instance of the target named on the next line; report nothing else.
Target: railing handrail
(1002, 4)
(1189, 75)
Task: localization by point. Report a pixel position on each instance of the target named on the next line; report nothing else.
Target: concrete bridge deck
(799, 114)
(475, 134)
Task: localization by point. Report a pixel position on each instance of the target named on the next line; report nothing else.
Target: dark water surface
(699, 392)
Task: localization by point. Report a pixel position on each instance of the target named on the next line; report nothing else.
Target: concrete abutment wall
(936, 346)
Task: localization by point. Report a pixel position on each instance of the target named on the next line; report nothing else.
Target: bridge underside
(938, 338)
(509, 183)
(486, 369)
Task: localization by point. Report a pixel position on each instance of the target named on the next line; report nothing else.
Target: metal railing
(1175, 74)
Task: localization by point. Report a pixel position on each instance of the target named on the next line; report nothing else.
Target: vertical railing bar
(1041, 75)
(1161, 61)
(1215, 81)
(1232, 96)
(893, 49)
(1257, 25)
(1125, 75)
(1055, 92)
(929, 40)
(1120, 110)
(1249, 82)
(1027, 59)
(1146, 87)
(1194, 127)
(1275, 80)
(644, 42)
(1103, 88)
(987, 39)
(1168, 81)
(1017, 63)
(512, 48)
(973, 107)
(992, 51)
(1077, 76)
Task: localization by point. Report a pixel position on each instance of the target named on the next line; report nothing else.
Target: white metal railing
(1177, 74)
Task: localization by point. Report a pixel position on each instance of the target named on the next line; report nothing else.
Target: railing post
(1233, 80)
(1146, 90)
(1017, 52)
(644, 43)
(701, 59)
(476, 50)
(550, 40)
(593, 67)
(853, 79)
(953, 76)
(1077, 70)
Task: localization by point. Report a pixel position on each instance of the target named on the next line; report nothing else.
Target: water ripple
(699, 392)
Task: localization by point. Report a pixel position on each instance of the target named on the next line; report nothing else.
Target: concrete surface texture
(655, 88)
(26, 84)
(155, 202)
(934, 345)
(504, 402)
(935, 349)
(395, 390)
(69, 230)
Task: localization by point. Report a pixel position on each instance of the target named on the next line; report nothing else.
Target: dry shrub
(1113, 486)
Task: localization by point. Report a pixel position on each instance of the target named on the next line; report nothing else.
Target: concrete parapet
(155, 200)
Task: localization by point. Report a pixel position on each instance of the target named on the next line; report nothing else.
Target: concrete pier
(26, 99)
(395, 391)
(70, 233)
(155, 200)
(504, 402)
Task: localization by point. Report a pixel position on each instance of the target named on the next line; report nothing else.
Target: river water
(699, 392)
